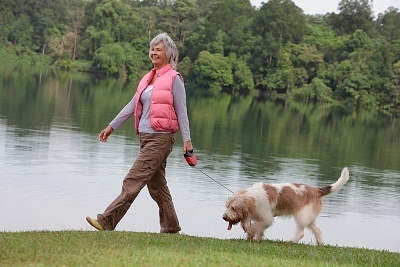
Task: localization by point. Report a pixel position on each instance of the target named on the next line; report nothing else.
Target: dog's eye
(233, 208)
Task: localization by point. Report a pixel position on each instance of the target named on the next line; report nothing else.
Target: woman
(159, 109)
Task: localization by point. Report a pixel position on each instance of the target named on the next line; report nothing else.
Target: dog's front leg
(248, 229)
(256, 231)
(251, 234)
(246, 224)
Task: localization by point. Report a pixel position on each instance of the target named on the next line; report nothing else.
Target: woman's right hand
(103, 136)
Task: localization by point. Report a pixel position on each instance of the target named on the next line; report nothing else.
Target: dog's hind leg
(302, 219)
(306, 218)
(299, 233)
(317, 233)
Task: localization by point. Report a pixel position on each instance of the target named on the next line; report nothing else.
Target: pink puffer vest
(162, 112)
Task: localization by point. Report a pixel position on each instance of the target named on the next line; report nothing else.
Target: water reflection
(52, 181)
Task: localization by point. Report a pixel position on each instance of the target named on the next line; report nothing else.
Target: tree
(358, 40)
(354, 82)
(242, 77)
(22, 32)
(281, 20)
(233, 18)
(111, 21)
(46, 15)
(76, 14)
(308, 58)
(389, 24)
(317, 90)
(217, 45)
(55, 43)
(179, 19)
(282, 79)
(213, 72)
(273, 28)
(393, 87)
(110, 59)
(324, 38)
(353, 15)
(7, 19)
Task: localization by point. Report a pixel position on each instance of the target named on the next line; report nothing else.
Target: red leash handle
(190, 158)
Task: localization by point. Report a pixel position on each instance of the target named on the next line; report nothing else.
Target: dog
(255, 207)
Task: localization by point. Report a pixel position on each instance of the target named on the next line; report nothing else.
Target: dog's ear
(248, 206)
(239, 207)
(229, 202)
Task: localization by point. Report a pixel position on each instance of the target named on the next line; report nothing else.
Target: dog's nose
(224, 217)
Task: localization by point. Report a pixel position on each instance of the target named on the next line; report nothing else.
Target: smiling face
(158, 55)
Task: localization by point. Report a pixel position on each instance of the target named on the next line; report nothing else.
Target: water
(54, 171)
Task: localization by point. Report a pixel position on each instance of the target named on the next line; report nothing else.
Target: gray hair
(170, 48)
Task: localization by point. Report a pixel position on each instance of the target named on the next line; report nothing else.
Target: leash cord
(212, 179)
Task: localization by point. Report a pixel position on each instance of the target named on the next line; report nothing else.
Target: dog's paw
(253, 238)
(250, 237)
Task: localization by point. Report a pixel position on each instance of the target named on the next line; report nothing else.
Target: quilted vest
(162, 112)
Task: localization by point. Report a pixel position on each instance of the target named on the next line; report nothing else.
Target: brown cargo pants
(148, 169)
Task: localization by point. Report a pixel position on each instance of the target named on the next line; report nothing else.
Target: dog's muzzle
(225, 217)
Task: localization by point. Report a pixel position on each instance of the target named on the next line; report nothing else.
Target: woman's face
(158, 55)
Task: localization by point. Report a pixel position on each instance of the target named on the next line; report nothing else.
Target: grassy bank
(89, 248)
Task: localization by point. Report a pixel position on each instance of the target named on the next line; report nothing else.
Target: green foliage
(22, 32)
(179, 19)
(110, 59)
(185, 67)
(324, 38)
(243, 81)
(389, 24)
(307, 60)
(119, 59)
(393, 88)
(354, 84)
(358, 40)
(45, 15)
(109, 22)
(217, 45)
(273, 30)
(213, 72)
(19, 55)
(272, 23)
(315, 91)
(353, 15)
(348, 54)
(282, 78)
(74, 65)
(227, 26)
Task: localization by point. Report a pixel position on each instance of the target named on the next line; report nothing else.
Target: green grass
(118, 248)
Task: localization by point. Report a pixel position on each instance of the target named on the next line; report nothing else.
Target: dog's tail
(335, 187)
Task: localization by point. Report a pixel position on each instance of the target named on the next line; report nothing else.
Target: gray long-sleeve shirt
(179, 95)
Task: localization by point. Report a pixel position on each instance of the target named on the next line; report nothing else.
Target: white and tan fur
(255, 207)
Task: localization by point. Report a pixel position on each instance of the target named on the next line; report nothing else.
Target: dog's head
(238, 208)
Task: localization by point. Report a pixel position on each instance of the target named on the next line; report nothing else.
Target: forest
(226, 46)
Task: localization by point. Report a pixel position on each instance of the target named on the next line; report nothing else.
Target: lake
(54, 171)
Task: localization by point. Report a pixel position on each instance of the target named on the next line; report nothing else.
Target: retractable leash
(192, 161)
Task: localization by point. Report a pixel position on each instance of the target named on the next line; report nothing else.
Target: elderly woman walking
(159, 109)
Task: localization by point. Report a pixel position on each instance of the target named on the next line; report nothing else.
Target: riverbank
(118, 248)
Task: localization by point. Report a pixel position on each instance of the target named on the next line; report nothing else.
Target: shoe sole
(94, 223)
